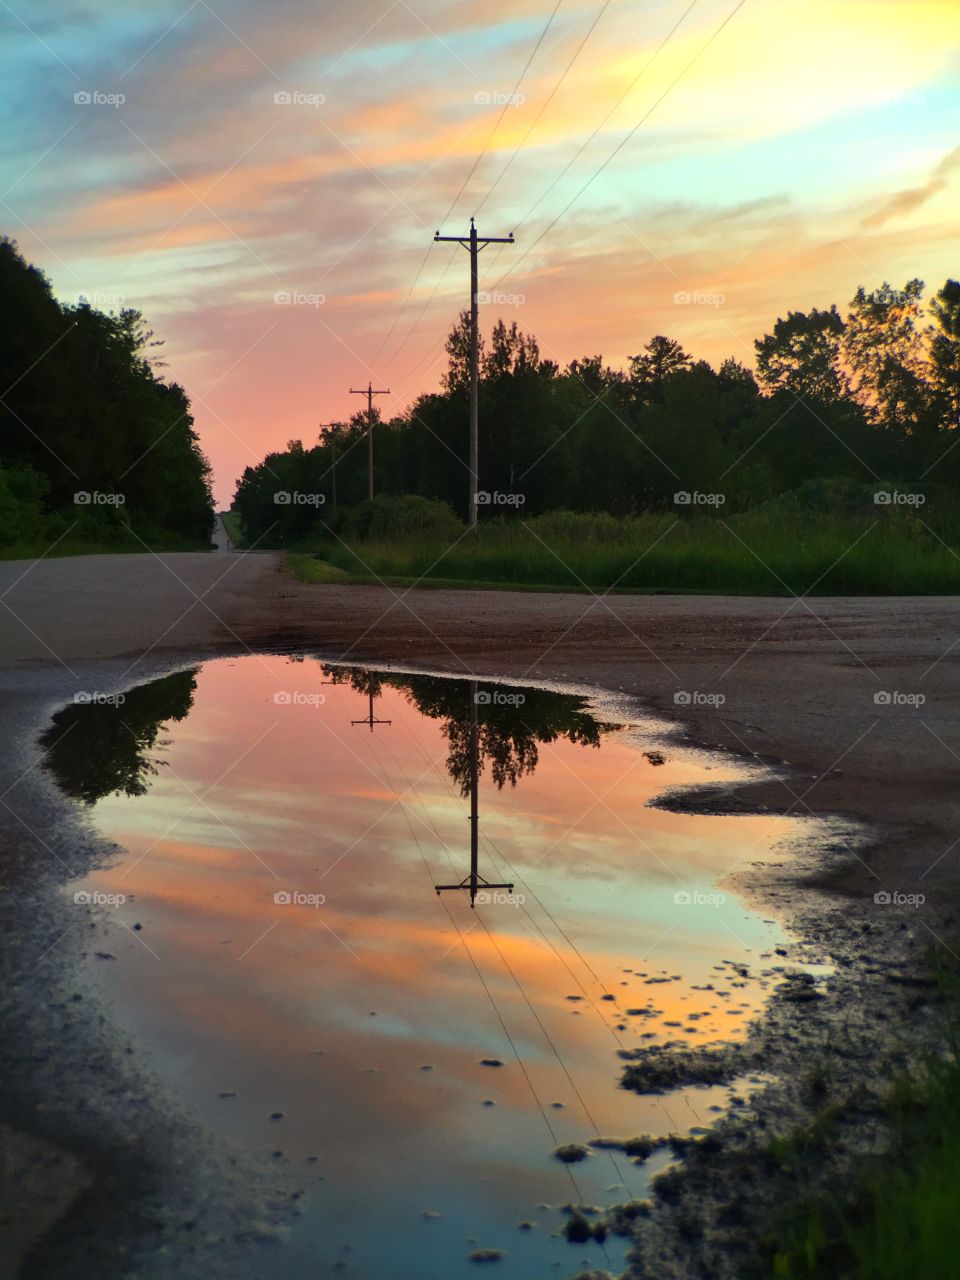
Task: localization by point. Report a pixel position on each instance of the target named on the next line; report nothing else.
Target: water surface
(283, 955)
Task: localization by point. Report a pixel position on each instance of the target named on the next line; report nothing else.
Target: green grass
(231, 522)
(896, 1216)
(749, 554)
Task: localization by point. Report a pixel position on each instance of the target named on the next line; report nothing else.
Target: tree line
(95, 444)
(842, 401)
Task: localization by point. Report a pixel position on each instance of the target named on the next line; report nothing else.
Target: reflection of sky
(330, 1013)
(759, 176)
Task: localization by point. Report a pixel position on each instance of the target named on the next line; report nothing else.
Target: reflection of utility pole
(474, 243)
(370, 720)
(370, 393)
(474, 880)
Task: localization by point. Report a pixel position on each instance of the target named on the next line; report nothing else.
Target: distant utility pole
(369, 393)
(474, 243)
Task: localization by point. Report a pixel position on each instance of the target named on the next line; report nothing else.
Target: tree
(802, 355)
(883, 346)
(660, 359)
(943, 338)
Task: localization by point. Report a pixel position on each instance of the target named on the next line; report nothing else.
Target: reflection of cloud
(915, 197)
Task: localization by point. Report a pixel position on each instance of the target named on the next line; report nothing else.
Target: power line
(550, 97)
(509, 100)
(623, 142)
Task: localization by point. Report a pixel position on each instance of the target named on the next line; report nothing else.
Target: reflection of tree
(508, 735)
(96, 749)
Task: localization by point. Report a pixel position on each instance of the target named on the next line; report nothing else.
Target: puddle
(273, 936)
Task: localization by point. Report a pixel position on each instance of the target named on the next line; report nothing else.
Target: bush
(21, 511)
(395, 515)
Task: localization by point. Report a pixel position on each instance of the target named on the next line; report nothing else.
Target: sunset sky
(802, 149)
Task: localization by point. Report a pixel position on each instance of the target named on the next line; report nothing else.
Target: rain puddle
(282, 952)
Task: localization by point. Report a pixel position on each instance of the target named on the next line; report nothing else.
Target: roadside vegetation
(831, 466)
(97, 448)
(897, 1216)
(778, 549)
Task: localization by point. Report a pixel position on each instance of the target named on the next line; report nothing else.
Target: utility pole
(369, 393)
(474, 243)
(474, 880)
(371, 720)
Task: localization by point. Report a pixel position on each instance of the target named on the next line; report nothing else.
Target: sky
(264, 182)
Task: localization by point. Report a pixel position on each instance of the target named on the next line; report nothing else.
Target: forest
(97, 448)
(840, 406)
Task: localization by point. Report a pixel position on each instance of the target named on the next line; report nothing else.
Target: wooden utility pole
(369, 393)
(474, 881)
(474, 243)
(371, 720)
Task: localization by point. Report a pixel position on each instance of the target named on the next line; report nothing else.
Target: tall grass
(753, 553)
(897, 1216)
